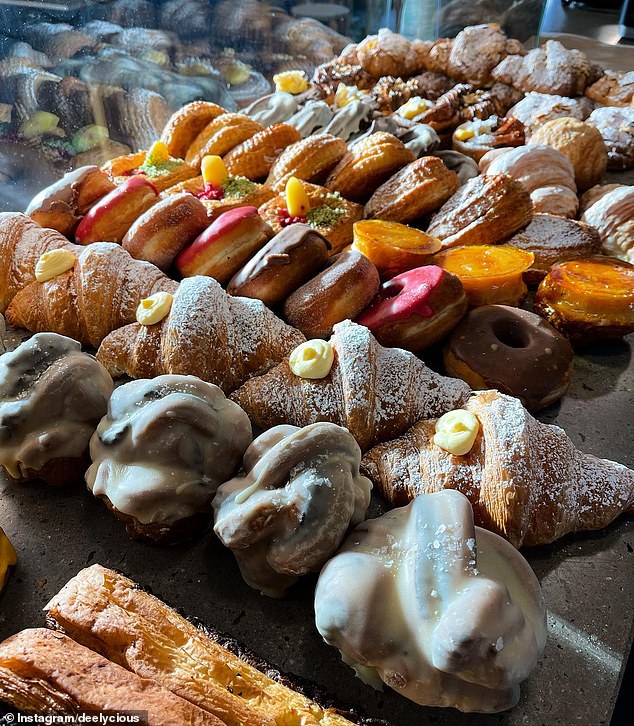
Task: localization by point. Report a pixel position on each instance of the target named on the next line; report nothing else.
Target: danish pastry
(254, 157)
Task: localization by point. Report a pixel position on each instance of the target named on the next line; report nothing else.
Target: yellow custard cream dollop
(414, 107)
(312, 359)
(54, 263)
(456, 432)
(8, 558)
(291, 82)
(347, 94)
(153, 309)
(476, 127)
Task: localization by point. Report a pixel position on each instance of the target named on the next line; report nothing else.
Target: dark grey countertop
(588, 579)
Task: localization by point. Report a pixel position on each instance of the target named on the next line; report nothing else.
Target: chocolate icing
(62, 193)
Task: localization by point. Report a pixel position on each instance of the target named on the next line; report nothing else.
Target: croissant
(99, 294)
(375, 392)
(222, 339)
(105, 611)
(525, 479)
(22, 242)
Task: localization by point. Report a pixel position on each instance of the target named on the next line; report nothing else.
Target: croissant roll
(525, 480)
(254, 157)
(100, 293)
(246, 338)
(185, 125)
(375, 392)
(220, 136)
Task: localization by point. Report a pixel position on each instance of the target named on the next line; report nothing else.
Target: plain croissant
(375, 392)
(525, 479)
(222, 339)
(99, 294)
(22, 242)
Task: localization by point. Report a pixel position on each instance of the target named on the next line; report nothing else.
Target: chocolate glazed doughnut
(513, 350)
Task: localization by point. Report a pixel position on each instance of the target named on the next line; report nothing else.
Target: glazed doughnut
(341, 291)
(222, 249)
(416, 309)
(292, 257)
(161, 232)
(513, 350)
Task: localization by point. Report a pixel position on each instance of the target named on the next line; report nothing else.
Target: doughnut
(113, 215)
(61, 205)
(416, 309)
(513, 350)
(589, 300)
(341, 291)
(221, 250)
(161, 232)
(292, 257)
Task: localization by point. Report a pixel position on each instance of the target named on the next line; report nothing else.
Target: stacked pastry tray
(588, 580)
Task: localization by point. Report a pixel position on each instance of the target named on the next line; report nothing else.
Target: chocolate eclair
(52, 397)
(291, 258)
(62, 205)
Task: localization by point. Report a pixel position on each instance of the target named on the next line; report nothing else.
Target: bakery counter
(588, 580)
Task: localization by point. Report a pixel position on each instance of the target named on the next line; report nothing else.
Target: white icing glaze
(311, 118)
(349, 120)
(613, 216)
(289, 512)
(443, 612)
(275, 108)
(51, 398)
(165, 446)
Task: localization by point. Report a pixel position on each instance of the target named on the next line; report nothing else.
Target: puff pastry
(613, 216)
(616, 126)
(613, 89)
(221, 135)
(533, 165)
(536, 109)
(310, 159)
(390, 54)
(254, 157)
(186, 123)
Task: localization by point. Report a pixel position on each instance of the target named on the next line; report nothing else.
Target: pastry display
(589, 300)
(415, 191)
(221, 135)
(490, 274)
(367, 165)
(532, 487)
(45, 672)
(286, 515)
(113, 215)
(254, 157)
(185, 124)
(512, 350)
(612, 215)
(161, 451)
(8, 559)
(375, 392)
(475, 138)
(246, 338)
(140, 632)
(97, 290)
(224, 247)
(326, 212)
(286, 262)
(535, 109)
(393, 247)
(459, 622)
(616, 126)
(486, 210)
(613, 89)
(310, 159)
(553, 239)
(161, 232)
(416, 309)
(52, 397)
(340, 292)
(581, 142)
(62, 205)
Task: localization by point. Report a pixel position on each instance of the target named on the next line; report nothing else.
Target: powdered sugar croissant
(525, 480)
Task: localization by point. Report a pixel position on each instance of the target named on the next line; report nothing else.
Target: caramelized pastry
(413, 192)
(161, 451)
(614, 88)
(185, 125)
(612, 215)
(490, 274)
(347, 285)
(221, 250)
(368, 165)
(8, 559)
(475, 138)
(536, 109)
(616, 126)
(581, 142)
(310, 159)
(589, 300)
(293, 256)
(62, 205)
(464, 166)
(52, 397)
(254, 157)
(156, 165)
(393, 247)
(288, 512)
(488, 209)
(466, 638)
(554, 239)
(513, 351)
(161, 232)
(416, 309)
(221, 135)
